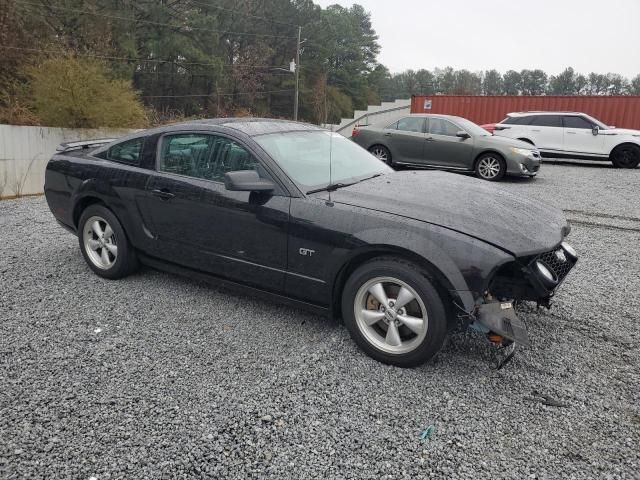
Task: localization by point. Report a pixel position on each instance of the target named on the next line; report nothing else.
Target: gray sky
(589, 35)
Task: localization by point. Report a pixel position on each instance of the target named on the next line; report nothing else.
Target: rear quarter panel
(369, 137)
(71, 179)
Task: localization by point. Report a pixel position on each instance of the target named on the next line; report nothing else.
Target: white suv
(573, 135)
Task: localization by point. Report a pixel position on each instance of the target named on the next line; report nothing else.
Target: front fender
(465, 262)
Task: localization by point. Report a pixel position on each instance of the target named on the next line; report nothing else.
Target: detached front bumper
(501, 318)
(534, 278)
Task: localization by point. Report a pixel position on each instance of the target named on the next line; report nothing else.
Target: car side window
(574, 121)
(411, 124)
(517, 120)
(547, 121)
(203, 156)
(393, 126)
(128, 152)
(440, 126)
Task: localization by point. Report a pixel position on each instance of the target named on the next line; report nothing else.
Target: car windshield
(316, 159)
(471, 128)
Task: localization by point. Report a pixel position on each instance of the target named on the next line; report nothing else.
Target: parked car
(489, 127)
(573, 135)
(448, 142)
(303, 215)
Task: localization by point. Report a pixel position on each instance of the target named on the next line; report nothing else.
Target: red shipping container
(621, 111)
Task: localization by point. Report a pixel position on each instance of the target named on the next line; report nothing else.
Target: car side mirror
(595, 130)
(462, 134)
(247, 181)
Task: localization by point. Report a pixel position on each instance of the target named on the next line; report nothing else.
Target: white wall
(24, 152)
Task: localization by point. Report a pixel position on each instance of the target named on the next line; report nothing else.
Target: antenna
(330, 158)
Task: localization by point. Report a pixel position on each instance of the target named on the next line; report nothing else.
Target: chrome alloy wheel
(489, 167)
(380, 153)
(391, 315)
(100, 242)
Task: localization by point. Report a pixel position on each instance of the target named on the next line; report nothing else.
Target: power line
(236, 12)
(217, 94)
(150, 22)
(139, 59)
(197, 75)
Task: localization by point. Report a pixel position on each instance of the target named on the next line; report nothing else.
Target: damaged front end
(533, 278)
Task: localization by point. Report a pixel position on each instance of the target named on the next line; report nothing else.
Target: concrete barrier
(24, 152)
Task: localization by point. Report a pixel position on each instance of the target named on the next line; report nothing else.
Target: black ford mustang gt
(304, 215)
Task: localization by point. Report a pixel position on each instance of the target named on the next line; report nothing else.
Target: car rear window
(129, 152)
(411, 124)
(517, 120)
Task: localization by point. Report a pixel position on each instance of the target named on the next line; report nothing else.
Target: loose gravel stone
(159, 376)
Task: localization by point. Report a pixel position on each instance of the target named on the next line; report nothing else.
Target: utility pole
(295, 100)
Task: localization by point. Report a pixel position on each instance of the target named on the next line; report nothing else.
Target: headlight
(522, 151)
(569, 250)
(548, 276)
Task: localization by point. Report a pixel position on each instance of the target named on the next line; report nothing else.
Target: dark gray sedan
(448, 142)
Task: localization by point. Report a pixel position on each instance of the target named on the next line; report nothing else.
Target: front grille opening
(556, 260)
(512, 282)
(518, 280)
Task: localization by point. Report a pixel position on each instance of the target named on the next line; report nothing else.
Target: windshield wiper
(369, 178)
(335, 186)
(331, 187)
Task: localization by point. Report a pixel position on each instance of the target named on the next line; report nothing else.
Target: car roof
(250, 126)
(433, 115)
(524, 114)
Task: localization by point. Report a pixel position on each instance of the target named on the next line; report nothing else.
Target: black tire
(421, 347)
(626, 156)
(382, 153)
(118, 264)
(490, 166)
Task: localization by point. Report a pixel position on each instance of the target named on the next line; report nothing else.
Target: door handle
(163, 194)
(430, 139)
(387, 134)
(570, 133)
(535, 130)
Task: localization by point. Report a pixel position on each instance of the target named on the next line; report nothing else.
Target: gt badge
(306, 252)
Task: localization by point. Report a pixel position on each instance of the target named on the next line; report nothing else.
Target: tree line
(448, 81)
(140, 62)
(186, 58)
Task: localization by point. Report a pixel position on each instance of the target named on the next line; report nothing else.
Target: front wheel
(103, 243)
(394, 312)
(626, 156)
(382, 153)
(490, 166)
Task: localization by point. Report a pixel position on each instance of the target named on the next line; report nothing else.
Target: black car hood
(515, 223)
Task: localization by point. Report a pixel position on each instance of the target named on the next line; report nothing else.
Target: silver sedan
(448, 142)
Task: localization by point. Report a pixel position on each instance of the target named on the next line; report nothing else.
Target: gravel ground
(158, 376)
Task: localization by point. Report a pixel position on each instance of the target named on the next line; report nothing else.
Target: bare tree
(3, 179)
(19, 181)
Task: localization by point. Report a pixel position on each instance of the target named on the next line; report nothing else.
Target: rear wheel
(491, 166)
(626, 156)
(103, 243)
(394, 312)
(383, 153)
